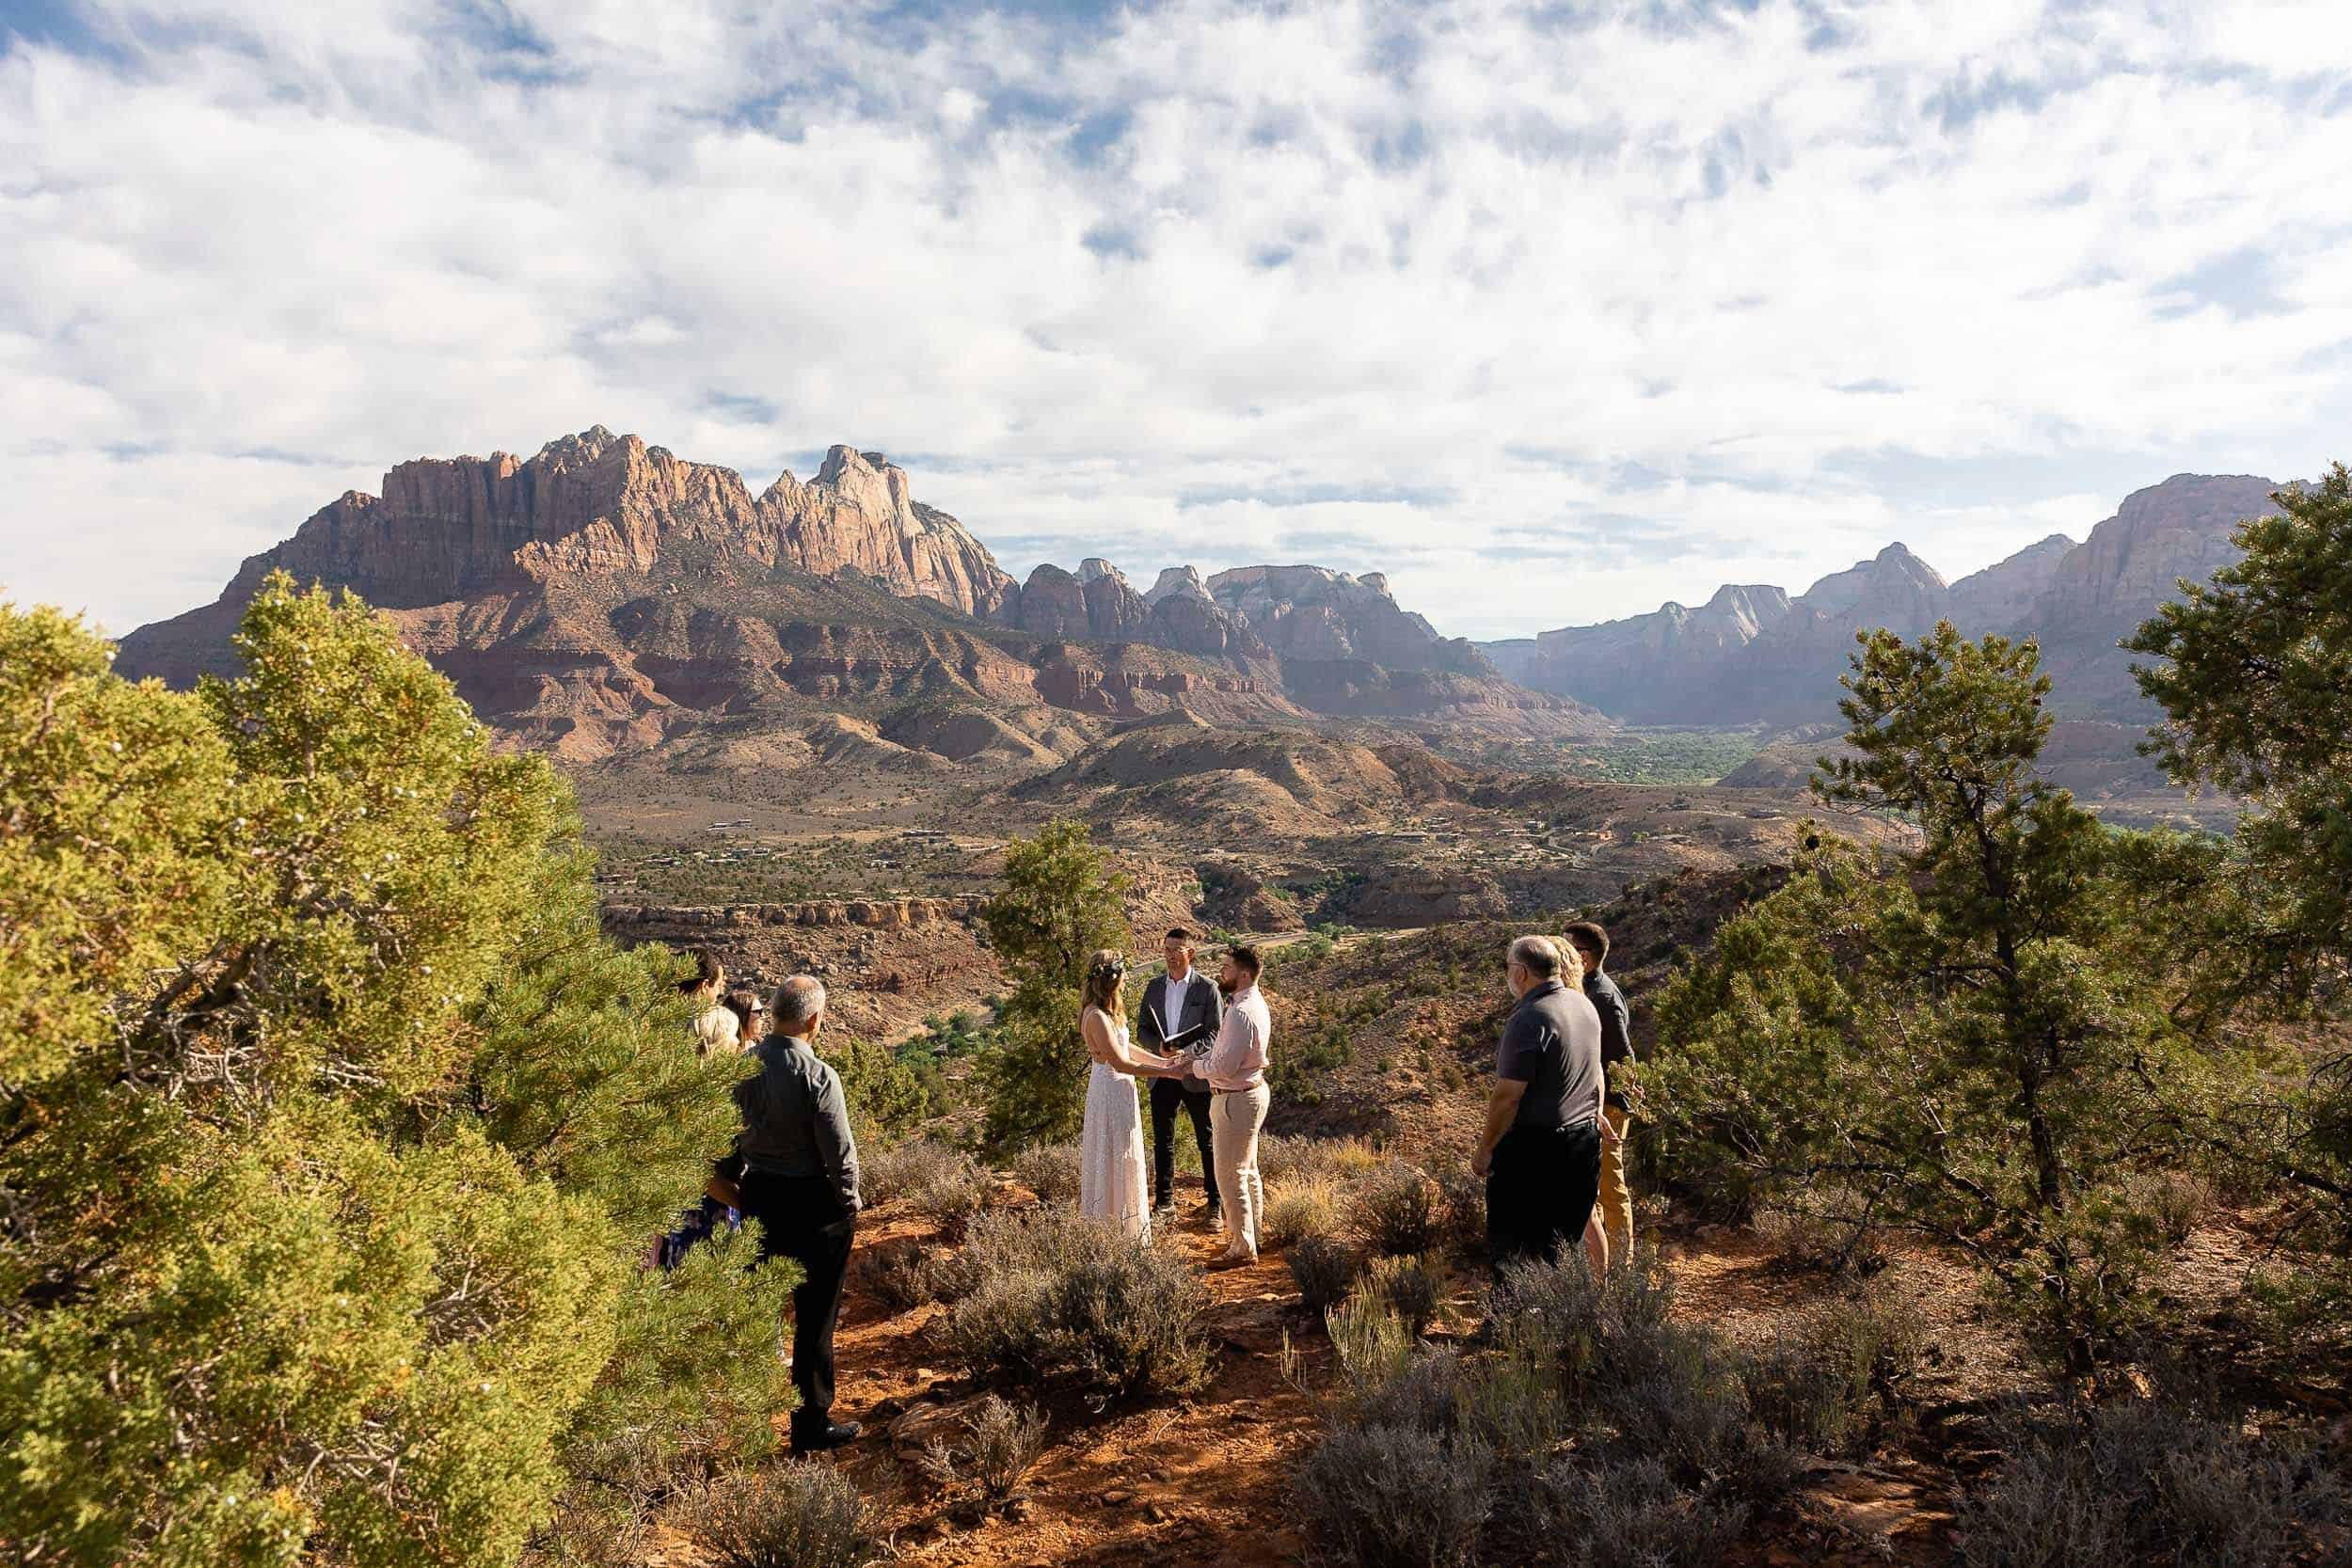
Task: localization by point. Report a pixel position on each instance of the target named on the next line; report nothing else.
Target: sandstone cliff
(1311, 614)
(2000, 597)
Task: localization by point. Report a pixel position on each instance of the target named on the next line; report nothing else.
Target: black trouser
(802, 1218)
(1167, 1095)
(1540, 1191)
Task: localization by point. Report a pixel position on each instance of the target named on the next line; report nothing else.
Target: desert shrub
(1296, 1213)
(1375, 1497)
(1464, 1196)
(1817, 1228)
(1369, 1342)
(1514, 1405)
(1055, 1297)
(1324, 1268)
(2135, 1480)
(1398, 1211)
(1413, 1288)
(2175, 1202)
(1832, 1383)
(906, 1276)
(799, 1515)
(1430, 1392)
(1631, 1512)
(1049, 1170)
(954, 1197)
(887, 1174)
(1635, 1381)
(1001, 1441)
(1283, 1158)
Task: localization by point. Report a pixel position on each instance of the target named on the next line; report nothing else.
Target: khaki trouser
(1234, 1119)
(1616, 1198)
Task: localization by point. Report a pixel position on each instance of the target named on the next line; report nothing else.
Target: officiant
(1180, 1006)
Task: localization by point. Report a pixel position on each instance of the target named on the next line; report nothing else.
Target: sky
(1551, 313)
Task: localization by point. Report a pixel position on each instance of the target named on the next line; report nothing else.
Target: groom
(1182, 999)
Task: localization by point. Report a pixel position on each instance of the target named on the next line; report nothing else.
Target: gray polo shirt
(796, 1121)
(1552, 1045)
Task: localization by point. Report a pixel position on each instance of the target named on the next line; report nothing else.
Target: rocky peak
(1997, 597)
(1893, 589)
(1177, 579)
(1377, 582)
(1313, 613)
(2178, 529)
(1093, 568)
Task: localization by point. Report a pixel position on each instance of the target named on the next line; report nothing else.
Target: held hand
(1481, 1162)
(1609, 1133)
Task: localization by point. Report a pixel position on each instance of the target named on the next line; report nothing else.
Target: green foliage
(107, 860)
(1668, 756)
(888, 1095)
(1060, 904)
(1984, 1037)
(329, 1127)
(2255, 670)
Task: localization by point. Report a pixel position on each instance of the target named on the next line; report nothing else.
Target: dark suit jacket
(1202, 1003)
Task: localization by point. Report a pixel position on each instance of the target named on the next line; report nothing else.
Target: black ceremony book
(1184, 1038)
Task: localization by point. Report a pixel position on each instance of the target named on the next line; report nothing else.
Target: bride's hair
(1104, 972)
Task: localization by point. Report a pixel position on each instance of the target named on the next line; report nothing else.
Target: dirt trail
(1203, 1482)
(1200, 1481)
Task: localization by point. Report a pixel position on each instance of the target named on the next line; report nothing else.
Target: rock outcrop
(2000, 597)
(604, 595)
(2131, 562)
(1313, 613)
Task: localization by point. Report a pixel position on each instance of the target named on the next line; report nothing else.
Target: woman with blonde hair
(1113, 1181)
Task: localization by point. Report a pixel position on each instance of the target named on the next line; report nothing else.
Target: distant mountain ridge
(1754, 654)
(604, 597)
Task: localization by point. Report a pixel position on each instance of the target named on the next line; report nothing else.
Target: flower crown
(1107, 968)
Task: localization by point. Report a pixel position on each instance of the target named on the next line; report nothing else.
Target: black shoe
(1165, 1206)
(832, 1435)
(1213, 1214)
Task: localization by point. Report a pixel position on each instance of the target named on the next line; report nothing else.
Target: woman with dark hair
(714, 1026)
(1114, 1184)
(750, 1015)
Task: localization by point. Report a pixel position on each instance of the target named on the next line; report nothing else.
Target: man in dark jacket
(799, 1182)
(1617, 1063)
(1182, 999)
(1540, 1151)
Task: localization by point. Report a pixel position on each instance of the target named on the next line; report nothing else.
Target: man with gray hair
(1540, 1150)
(799, 1182)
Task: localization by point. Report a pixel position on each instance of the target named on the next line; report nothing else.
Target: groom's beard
(1225, 988)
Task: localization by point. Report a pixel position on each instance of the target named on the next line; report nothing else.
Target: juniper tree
(1058, 905)
(2254, 671)
(1978, 1038)
(329, 1127)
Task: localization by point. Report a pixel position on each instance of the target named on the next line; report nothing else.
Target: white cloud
(1587, 315)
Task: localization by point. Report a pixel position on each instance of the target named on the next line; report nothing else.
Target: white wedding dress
(1113, 1180)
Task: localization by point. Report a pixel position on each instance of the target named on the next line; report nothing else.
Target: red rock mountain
(604, 597)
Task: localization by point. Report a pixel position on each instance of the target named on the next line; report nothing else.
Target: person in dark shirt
(1182, 999)
(1617, 1062)
(799, 1182)
(1540, 1150)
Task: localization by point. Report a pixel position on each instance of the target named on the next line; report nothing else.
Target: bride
(1112, 1181)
